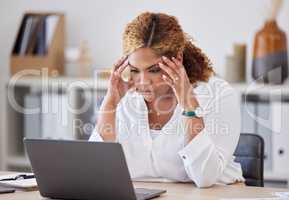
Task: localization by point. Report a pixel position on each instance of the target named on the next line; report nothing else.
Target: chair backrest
(250, 154)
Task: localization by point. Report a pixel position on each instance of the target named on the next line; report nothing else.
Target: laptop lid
(80, 169)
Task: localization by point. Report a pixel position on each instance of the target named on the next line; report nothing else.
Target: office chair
(250, 154)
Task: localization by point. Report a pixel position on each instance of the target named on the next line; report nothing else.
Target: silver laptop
(83, 170)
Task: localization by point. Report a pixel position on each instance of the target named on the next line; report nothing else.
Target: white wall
(215, 25)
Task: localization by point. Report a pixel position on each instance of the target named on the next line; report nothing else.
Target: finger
(178, 63)
(122, 67)
(114, 77)
(170, 63)
(168, 80)
(173, 75)
(179, 66)
(120, 62)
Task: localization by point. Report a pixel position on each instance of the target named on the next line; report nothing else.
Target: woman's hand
(117, 86)
(116, 90)
(179, 81)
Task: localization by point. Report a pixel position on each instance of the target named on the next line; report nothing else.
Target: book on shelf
(39, 43)
(36, 34)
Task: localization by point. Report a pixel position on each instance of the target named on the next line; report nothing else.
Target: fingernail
(174, 58)
(161, 63)
(164, 57)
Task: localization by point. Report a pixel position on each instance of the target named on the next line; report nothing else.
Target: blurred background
(75, 39)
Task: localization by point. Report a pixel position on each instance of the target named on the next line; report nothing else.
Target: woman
(174, 118)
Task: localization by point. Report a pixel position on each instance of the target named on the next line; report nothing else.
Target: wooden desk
(177, 191)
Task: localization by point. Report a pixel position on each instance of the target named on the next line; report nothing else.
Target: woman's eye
(155, 70)
(134, 71)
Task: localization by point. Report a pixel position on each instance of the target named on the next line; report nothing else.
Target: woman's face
(146, 74)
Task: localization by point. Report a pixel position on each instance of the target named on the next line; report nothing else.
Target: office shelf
(12, 155)
(265, 111)
(62, 82)
(261, 89)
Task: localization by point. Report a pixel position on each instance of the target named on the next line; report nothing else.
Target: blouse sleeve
(95, 136)
(205, 157)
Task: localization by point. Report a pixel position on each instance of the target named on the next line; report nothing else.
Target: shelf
(64, 82)
(76, 90)
(61, 82)
(261, 89)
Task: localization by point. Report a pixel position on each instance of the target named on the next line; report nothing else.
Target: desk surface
(177, 191)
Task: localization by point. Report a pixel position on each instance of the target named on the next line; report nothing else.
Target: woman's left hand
(181, 85)
(179, 81)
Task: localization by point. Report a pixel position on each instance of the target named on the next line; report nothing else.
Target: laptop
(83, 170)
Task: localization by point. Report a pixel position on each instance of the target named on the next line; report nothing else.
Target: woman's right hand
(117, 86)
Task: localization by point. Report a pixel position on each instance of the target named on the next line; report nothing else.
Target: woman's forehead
(143, 58)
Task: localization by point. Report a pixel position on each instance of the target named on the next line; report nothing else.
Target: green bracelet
(189, 113)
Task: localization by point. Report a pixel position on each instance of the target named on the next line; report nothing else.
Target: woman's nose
(144, 79)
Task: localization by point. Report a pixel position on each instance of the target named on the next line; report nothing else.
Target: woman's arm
(207, 152)
(106, 120)
(210, 146)
(193, 125)
(105, 129)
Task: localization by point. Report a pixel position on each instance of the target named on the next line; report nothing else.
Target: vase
(270, 57)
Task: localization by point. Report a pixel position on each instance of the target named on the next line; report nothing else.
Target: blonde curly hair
(163, 34)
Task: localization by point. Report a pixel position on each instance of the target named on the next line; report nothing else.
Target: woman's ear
(180, 56)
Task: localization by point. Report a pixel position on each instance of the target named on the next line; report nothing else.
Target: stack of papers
(284, 195)
(26, 184)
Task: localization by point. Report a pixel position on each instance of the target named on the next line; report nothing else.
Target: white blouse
(206, 160)
(155, 133)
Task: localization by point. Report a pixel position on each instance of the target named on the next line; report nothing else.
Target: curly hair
(163, 34)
